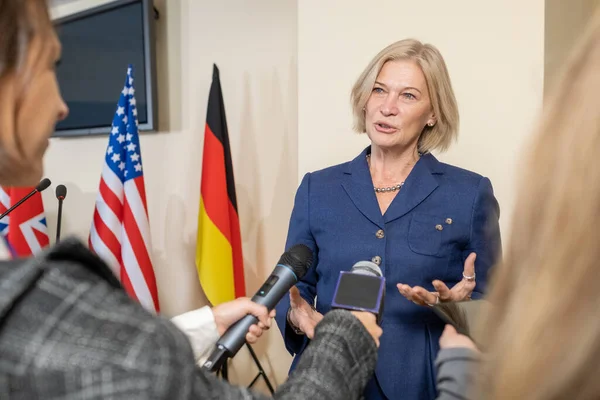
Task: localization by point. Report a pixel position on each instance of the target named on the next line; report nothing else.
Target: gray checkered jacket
(69, 331)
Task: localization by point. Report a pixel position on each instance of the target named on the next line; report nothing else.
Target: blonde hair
(543, 335)
(443, 102)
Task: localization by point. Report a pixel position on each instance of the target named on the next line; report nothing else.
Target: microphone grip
(230, 343)
(214, 362)
(235, 337)
(269, 294)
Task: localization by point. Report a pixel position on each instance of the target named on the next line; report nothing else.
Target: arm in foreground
(337, 364)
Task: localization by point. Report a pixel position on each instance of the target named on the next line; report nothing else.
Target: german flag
(219, 249)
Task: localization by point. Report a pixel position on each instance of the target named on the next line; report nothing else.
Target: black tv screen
(98, 45)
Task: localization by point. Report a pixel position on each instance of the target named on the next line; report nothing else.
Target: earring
(430, 124)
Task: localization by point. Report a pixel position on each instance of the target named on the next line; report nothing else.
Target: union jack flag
(120, 231)
(25, 227)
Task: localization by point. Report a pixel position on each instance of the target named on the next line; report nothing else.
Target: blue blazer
(337, 215)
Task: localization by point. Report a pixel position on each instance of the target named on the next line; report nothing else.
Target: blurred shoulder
(70, 316)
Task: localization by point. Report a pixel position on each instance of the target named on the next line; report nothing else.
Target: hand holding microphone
(227, 314)
(451, 339)
(292, 266)
(362, 291)
(369, 321)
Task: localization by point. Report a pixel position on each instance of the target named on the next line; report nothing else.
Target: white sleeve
(201, 330)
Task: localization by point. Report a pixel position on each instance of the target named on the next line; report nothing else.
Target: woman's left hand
(459, 292)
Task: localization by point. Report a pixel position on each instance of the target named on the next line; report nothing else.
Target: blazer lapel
(420, 183)
(358, 184)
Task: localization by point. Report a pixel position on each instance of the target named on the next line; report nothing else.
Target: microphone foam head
(61, 192)
(366, 268)
(299, 258)
(44, 183)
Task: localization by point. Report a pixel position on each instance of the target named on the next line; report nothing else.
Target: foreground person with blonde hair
(542, 338)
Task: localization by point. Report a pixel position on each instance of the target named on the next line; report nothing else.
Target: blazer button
(380, 234)
(439, 227)
(376, 260)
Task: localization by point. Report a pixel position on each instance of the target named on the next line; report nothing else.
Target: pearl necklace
(385, 189)
(389, 188)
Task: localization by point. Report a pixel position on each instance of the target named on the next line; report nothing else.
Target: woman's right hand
(302, 315)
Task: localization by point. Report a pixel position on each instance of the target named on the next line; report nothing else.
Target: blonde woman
(542, 338)
(428, 225)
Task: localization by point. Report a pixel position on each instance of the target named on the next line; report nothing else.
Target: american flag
(120, 232)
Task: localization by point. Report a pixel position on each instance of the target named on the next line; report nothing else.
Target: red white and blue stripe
(120, 231)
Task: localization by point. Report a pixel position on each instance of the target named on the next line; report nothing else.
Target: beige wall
(287, 68)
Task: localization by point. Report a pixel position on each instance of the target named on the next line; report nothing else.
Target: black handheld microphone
(292, 266)
(44, 183)
(61, 193)
(361, 289)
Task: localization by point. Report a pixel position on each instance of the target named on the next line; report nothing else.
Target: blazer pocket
(425, 234)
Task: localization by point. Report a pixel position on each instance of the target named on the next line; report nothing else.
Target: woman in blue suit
(428, 225)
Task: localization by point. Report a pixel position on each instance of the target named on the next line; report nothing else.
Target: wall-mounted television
(98, 44)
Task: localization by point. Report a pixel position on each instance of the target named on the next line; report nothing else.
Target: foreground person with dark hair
(67, 328)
